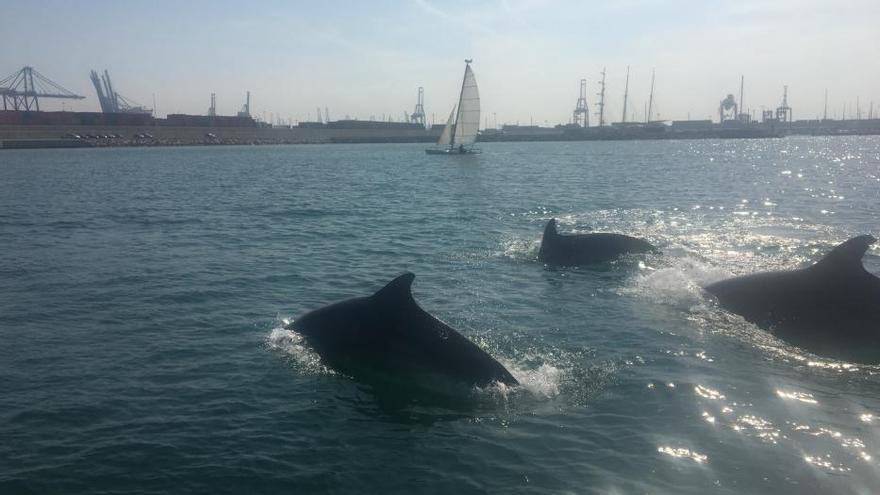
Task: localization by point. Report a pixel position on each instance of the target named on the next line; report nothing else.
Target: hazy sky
(362, 58)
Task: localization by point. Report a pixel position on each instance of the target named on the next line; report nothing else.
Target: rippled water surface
(142, 295)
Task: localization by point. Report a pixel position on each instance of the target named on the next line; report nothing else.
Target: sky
(367, 58)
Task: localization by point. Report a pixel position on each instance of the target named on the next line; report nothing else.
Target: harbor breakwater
(23, 136)
(54, 136)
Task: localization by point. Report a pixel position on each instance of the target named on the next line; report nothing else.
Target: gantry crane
(22, 90)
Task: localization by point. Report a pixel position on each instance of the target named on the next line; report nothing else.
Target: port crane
(418, 115)
(22, 90)
(110, 100)
(581, 115)
(783, 112)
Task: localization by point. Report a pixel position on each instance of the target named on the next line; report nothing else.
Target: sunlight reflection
(762, 428)
(846, 442)
(853, 442)
(799, 396)
(683, 453)
(826, 463)
(833, 366)
(707, 393)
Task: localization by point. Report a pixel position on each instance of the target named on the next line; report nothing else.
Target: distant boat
(461, 129)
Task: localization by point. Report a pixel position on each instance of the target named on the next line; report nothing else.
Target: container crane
(22, 90)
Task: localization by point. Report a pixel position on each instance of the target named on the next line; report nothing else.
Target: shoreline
(52, 137)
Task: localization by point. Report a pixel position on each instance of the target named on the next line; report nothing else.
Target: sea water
(143, 295)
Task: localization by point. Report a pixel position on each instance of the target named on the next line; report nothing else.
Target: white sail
(467, 122)
(446, 136)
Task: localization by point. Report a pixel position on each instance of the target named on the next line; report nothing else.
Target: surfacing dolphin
(583, 249)
(389, 333)
(831, 308)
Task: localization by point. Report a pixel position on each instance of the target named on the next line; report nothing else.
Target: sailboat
(463, 124)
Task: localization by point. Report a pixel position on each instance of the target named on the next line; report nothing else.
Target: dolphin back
(433, 345)
(582, 249)
(389, 332)
(831, 308)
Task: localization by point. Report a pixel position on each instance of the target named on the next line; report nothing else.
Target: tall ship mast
(625, 96)
(601, 96)
(650, 100)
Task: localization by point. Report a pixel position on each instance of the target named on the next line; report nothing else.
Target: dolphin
(388, 332)
(831, 308)
(583, 249)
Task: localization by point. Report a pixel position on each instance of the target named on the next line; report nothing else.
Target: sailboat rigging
(460, 132)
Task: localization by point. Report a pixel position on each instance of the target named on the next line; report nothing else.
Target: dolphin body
(389, 333)
(584, 249)
(831, 308)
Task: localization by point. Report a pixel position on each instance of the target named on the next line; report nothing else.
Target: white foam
(542, 382)
(678, 285)
(521, 249)
(292, 345)
(538, 378)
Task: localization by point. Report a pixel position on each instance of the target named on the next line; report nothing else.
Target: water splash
(541, 382)
(520, 249)
(678, 285)
(292, 345)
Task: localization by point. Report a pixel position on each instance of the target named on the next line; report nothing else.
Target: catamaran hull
(451, 152)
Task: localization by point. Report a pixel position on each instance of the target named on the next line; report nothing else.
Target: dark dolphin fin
(399, 289)
(847, 257)
(550, 228)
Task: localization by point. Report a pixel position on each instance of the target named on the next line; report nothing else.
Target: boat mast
(625, 95)
(467, 63)
(601, 96)
(825, 113)
(452, 130)
(650, 100)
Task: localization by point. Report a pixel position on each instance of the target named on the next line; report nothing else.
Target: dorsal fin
(399, 289)
(550, 228)
(848, 255)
